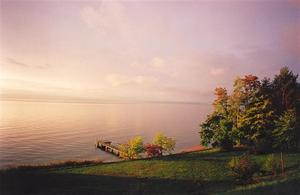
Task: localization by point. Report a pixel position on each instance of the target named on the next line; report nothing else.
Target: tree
(287, 131)
(235, 101)
(248, 115)
(252, 112)
(250, 90)
(217, 129)
(224, 136)
(133, 148)
(221, 102)
(286, 90)
(286, 100)
(266, 88)
(245, 92)
(167, 144)
(208, 128)
(153, 150)
(256, 124)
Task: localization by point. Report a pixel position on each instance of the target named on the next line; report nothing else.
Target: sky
(142, 50)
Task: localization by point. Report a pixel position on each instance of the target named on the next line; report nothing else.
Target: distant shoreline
(91, 101)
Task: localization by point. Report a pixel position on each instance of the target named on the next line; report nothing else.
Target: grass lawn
(203, 172)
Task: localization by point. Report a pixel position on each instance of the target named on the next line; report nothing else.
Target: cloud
(117, 80)
(108, 19)
(12, 61)
(113, 28)
(186, 92)
(157, 62)
(217, 71)
(154, 63)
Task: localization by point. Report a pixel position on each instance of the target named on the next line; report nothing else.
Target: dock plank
(107, 146)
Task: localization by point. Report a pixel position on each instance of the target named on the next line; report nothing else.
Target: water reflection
(39, 132)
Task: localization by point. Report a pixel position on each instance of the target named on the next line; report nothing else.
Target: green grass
(203, 172)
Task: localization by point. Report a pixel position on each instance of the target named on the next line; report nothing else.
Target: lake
(42, 132)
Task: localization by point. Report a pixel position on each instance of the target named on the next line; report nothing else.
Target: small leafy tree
(167, 144)
(133, 148)
(153, 150)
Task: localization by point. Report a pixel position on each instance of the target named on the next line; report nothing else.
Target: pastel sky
(138, 50)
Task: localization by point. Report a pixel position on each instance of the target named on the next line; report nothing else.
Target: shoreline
(195, 148)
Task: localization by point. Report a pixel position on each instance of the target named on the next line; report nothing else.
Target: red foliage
(251, 82)
(153, 150)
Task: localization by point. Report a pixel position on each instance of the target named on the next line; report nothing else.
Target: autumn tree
(258, 114)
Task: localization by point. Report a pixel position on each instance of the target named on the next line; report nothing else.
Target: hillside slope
(203, 172)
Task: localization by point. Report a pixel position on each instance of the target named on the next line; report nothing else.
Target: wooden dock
(107, 146)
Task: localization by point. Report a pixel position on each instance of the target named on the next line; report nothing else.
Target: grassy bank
(203, 172)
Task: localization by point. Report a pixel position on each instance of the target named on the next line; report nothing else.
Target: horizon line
(99, 101)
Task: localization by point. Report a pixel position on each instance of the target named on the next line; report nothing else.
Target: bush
(133, 148)
(167, 144)
(272, 164)
(153, 150)
(243, 168)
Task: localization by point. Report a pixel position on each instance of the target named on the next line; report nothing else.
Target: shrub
(272, 164)
(243, 168)
(153, 150)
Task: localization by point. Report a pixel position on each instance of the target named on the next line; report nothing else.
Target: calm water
(39, 132)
